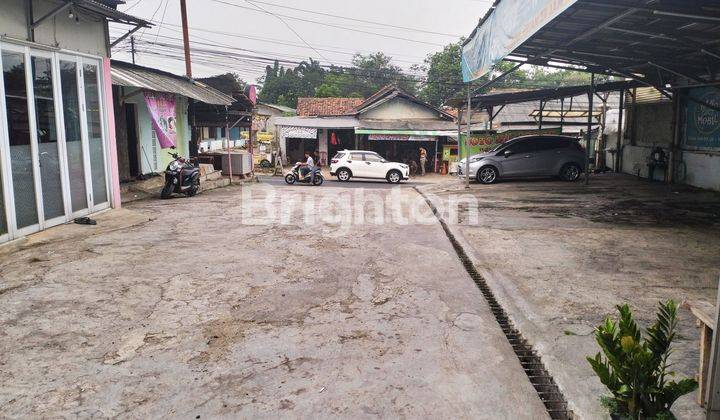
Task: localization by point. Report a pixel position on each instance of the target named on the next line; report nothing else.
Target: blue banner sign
(702, 123)
(508, 26)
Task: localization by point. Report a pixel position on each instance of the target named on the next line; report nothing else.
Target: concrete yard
(560, 256)
(178, 309)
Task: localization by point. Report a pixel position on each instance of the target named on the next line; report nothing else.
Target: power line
(329, 24)
(289, 27)
(382, 24)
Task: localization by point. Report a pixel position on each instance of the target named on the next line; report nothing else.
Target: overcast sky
(241, 35)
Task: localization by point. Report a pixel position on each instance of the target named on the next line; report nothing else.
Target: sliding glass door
(70, 87)
(91, 78)
(43, 86)
(53, 150)
(19, 138)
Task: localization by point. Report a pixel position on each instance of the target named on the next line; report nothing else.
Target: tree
(443, 75)
(229, 83)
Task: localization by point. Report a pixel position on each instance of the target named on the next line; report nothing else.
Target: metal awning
(338, 123)
(131, 75)
(504, 98)
(673, 42)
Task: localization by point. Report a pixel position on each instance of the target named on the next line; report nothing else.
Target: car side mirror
(507, 153)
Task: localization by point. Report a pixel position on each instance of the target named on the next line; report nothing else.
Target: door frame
(6, 162)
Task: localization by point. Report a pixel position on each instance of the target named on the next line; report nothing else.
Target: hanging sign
(162, 114)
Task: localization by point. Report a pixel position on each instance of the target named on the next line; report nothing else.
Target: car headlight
(476, 159)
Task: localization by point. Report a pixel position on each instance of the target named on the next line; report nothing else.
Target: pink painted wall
(110, 111)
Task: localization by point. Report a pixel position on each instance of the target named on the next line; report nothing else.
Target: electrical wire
(381, 24)
(329, 24)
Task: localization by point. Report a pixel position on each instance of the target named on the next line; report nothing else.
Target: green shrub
(636, 369)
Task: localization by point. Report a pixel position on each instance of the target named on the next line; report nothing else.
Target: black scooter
(181, 177)
(315, 177)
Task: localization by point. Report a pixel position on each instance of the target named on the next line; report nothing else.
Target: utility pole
(186, 38)
(194, 137)
(132, 48)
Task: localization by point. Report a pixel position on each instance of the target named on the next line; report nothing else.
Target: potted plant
(635, 368)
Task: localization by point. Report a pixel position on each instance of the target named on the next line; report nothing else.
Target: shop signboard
(399, 137)
(702, 128)
(480, 143)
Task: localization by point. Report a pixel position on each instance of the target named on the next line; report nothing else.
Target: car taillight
(334, 161)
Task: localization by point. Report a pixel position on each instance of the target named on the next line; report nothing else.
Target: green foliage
(367, 75)
(635, 370)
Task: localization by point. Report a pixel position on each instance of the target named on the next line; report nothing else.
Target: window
(339, 156)
(522, 146)
(551, 143)
(356, 156)
(373, 157)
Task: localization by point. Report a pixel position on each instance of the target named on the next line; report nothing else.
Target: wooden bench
(705, 320)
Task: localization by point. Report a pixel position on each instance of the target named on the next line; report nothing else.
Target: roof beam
(675, 72)
(51, 13)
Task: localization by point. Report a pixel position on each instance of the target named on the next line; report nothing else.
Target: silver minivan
(528, 157)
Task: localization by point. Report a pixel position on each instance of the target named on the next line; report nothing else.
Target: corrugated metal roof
(110, 13)
(131, 75)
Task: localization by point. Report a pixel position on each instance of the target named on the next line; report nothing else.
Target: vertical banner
(511, 23)
(162, 113)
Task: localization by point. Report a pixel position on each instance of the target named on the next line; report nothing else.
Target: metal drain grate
(532, 364)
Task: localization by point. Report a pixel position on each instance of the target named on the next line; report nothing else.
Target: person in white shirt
(307, 167)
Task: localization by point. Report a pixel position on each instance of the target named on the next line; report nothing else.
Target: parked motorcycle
(315, 176)
(181, 177)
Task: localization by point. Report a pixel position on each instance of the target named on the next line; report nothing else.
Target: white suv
(364, 164)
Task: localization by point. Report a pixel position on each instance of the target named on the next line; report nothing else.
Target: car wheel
(394, 177)
(570, 172)
(487, 175)
(344, 175)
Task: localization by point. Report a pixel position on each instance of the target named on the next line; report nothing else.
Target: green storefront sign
(483, 142)
(702, 123)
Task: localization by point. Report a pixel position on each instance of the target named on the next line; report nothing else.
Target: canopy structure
(672, 43)
(505, 98)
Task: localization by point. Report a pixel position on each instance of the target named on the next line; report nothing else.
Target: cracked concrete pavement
(560, 256)
(183, 311)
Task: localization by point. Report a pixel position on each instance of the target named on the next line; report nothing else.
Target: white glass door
(20, 145)
(46, 139)
(95, 132)
(73, 134)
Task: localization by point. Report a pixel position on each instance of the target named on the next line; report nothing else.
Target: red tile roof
(326, 107)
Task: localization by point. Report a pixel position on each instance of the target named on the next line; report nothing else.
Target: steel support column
(591, 96)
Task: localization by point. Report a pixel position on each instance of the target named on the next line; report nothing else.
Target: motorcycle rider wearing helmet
(307, 167)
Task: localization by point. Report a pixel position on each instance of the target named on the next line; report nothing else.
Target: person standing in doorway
(423, 160)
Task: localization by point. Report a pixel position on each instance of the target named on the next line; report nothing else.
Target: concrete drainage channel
(531, 362)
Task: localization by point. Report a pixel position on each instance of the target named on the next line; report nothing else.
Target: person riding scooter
(307, 167)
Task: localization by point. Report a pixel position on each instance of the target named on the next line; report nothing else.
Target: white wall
(87, 36)
(399, 108)
(702, 169)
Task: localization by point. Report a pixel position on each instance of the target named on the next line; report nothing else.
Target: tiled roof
(326, 107)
